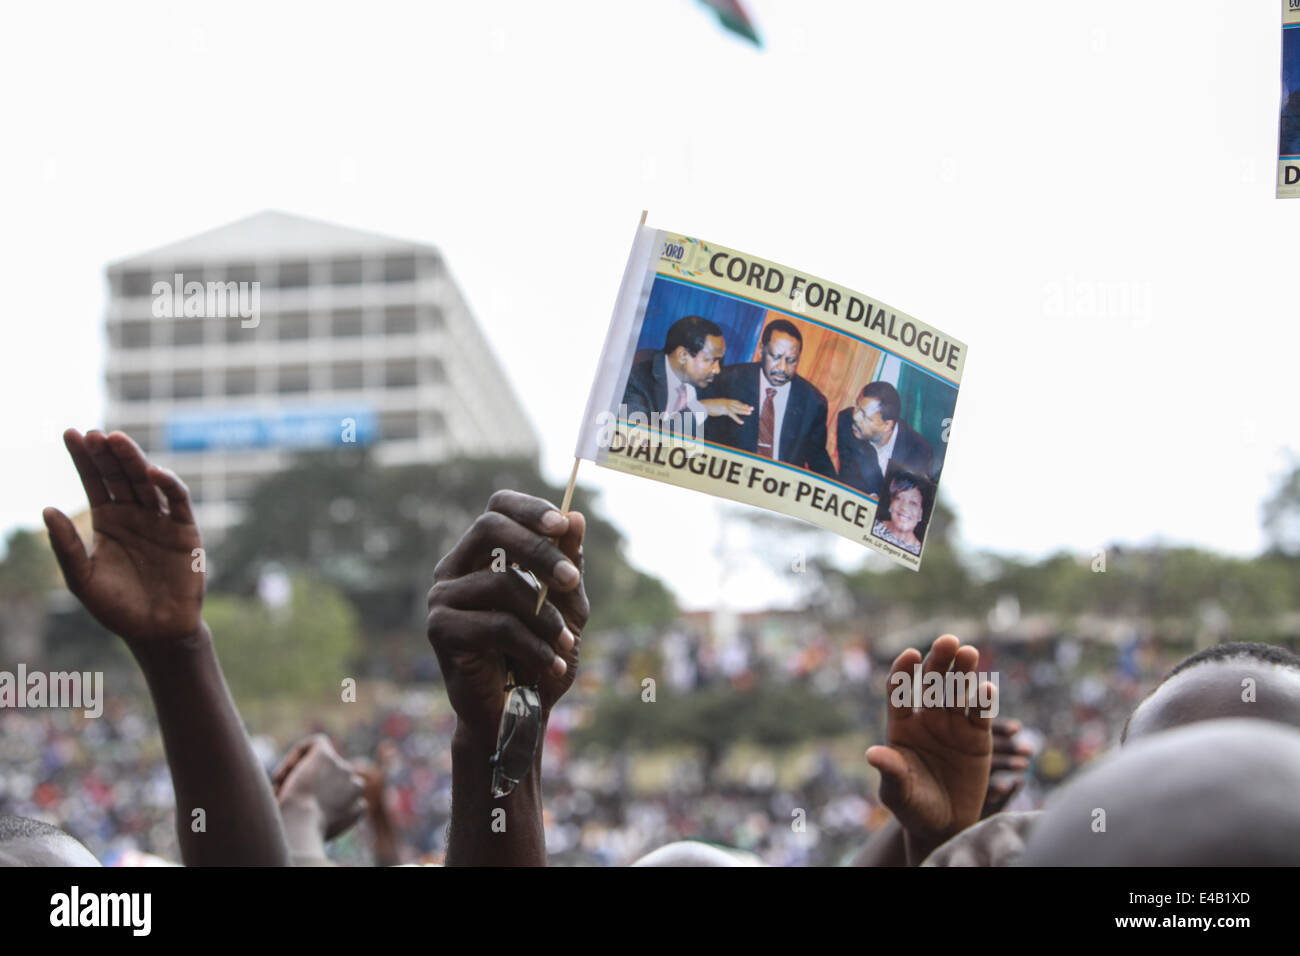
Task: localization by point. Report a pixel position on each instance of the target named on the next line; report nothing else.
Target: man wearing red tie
(791, 422)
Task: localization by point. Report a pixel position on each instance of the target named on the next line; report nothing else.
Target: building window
(135, 388)
(237, 332)
(187, 384)
(188, 331)
(400, 373)
(434, 373)
(346, 271)
(192, 272)
(347, 376)
(135, 283)
(241, 272)
(294, 275)
(134, 335)
(399, 320)
(161, 334)
(399, 268)
(398, 426)
(294, 325)
(429, 267)
(431, 318)
(143, 435)
(294, 378)
(346, 323)
(241, 381)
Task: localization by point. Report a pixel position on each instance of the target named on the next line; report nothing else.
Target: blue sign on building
(312, 426)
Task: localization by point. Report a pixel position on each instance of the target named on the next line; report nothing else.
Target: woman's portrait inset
(905, 503)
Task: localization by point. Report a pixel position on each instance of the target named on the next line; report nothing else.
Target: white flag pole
(568, 492)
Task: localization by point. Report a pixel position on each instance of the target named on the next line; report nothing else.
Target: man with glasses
(872, 433)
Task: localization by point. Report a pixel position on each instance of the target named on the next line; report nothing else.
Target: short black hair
(25, 828)
(1230, 650)
(690, 332)
(891, 406)
(898, 481)
(784, 326)
(902, 482)
(1267, 653)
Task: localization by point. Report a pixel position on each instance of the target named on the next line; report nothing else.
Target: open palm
(935, 768)
(144, 577)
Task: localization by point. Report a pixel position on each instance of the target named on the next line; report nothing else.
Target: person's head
(25, 842)
(695, 348)
(876, 413)
(696, 854)
(906, 504)
(1215, 793)
(1228, 680)
(782, 345)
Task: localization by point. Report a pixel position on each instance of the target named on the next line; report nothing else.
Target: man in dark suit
(668, 383)
(870, 435)
(791, 422)
(1289, 138)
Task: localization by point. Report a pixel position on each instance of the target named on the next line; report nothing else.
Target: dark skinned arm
(482, 624)
(934, 771)
(887, 847)
(141, 582)
(387, 846)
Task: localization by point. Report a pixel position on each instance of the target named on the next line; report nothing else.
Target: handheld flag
(729, 374)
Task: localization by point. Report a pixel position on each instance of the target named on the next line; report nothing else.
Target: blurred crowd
(106, 780)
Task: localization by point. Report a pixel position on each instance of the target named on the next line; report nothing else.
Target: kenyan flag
(734, 18)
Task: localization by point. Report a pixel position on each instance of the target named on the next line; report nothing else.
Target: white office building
(231, 350)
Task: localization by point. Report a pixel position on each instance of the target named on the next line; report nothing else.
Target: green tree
(27, 575)
(305, 648)
(942, 585)
(377, 532)
(1281, 514)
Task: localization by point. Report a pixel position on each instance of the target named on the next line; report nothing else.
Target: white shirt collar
(886, 451)
(675, 381)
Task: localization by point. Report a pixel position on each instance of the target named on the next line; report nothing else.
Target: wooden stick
(573, 480)
(564, 509)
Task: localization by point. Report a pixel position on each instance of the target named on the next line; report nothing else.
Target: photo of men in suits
(790, 424)
(668, 383)
(871, 437)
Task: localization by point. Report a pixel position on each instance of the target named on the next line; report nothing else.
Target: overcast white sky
(1082, 193)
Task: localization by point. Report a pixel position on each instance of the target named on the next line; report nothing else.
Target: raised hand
(482, 618)
(140, 579)
(143, 580)
(315, 783)
(483, 624)
(935, 768)
(1007, 769)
